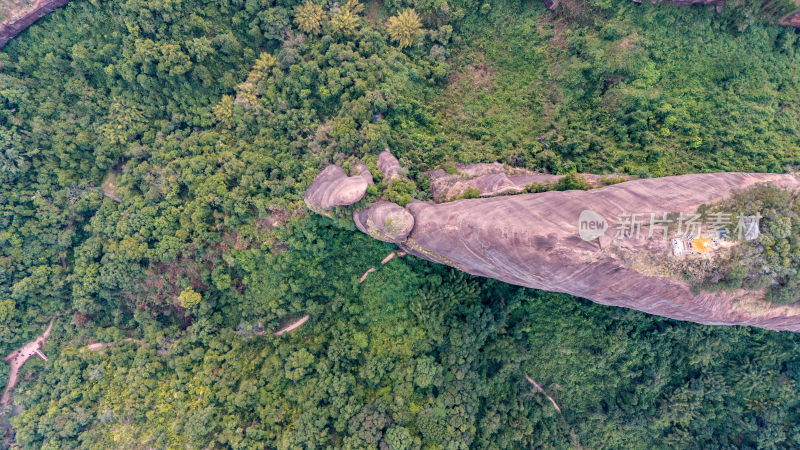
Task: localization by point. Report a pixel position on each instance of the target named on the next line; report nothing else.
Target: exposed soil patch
(479, 75)
(558, 40)
(292, 326)
(373, 11)
(626, 43)
(109, 186)
(482, 75)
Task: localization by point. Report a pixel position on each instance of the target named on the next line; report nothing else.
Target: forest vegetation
(771, 260)
(153, 159)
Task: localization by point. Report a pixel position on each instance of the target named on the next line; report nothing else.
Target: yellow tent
(701, 244)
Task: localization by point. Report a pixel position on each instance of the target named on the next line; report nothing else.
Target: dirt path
(292, 326)
(100, 346)
(18, 358)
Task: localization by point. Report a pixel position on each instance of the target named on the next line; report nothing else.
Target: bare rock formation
(533, 240)
(389, 165)
(492, 179)
(332, 187)
(385, 221)
(791, 20)
(24, 15)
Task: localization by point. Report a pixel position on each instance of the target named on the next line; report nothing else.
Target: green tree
(189, 298)
(404, 28)
(297, 364)
(308, 17)
(345, 18)
(223, 111)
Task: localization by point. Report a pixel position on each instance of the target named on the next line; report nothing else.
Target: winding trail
(18, 358)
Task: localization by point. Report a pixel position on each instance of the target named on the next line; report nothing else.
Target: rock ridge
(533, 240)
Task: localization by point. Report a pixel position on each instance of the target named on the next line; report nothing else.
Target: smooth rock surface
(791, 20)
(389, 165)
(385, 221)
(532, 240)
(332, 187)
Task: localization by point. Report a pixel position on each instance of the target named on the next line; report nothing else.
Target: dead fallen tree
(385, 260)
(539, 388)
(388, 258)
(364, 277)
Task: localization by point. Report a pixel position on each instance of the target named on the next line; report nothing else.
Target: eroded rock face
(332, 187)
(533, 240)
(385, 221)
(489, 179)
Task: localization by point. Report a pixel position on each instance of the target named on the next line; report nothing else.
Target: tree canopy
(153, 159)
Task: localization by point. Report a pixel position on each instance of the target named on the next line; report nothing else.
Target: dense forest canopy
(153, 156)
